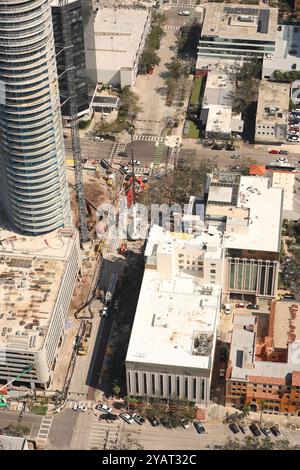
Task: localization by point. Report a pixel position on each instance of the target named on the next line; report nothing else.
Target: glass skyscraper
(34, 194)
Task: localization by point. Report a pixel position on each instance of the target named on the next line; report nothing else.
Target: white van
(227, 308)
(184, 13)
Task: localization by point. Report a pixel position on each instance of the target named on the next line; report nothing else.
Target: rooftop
(287, 49)
(13, 443)
(254, 22)
(31, 270)
(264, 224)
(175, 322)
(286, 323)
(219, 119)
(273, 103)
(117, 36)
(218, 89)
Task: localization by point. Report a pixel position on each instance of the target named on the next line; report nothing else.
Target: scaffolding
(71, 86)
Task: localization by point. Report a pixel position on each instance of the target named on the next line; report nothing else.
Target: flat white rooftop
(175, 322)
(163, 241)
(31, 271)
(219, 119)
(118, 33)
(265, 205)
(240, 21)
(287, 50)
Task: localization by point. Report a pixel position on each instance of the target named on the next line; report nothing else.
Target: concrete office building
(231, 31)
(75, 12)
(172, 344)
(272, 113)
(120, 36)
(33, 187)
(37, 278)
(249, 212)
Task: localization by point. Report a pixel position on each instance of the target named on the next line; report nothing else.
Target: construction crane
(71, 87)
(3, 389)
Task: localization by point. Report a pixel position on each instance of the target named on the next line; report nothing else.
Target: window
(145, 384)
(153, 383)
(202, 389)
(129, 386)
(186, 386)
(178, 386)
(137, 383)
(170, 385)
(161, 383)
(194, 389)
(213, 271)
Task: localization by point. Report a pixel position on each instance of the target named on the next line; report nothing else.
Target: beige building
(37, 277)
(172, 343)
(272, 113)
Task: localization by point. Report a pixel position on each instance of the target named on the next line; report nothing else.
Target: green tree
(116, 388)
(253, 443)
(148, 59)
(245, 411)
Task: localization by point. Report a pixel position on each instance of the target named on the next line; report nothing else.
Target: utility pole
(71, 86)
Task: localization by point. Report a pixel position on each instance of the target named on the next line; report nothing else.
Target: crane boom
(16, 378)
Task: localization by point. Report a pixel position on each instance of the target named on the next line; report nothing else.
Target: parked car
(240, 305)
(254, 429)
(284, 152)
(97, 138)
(289, 296)
(81, 408)
(109, 416)
(266, 431)
(274, 152)
(122, 154)
(138, 419)
(117, 305)
(236, 156)
(136, 162)
(125, 168)
(199, 427)
(242, 429)
(217, 147)
(126, 417)
(153, 420)
(236, 168)
(253, 307)
(104, 164)
(229, 147)
(234, 428)
(185, 423)
(103, 407)
(275, 431)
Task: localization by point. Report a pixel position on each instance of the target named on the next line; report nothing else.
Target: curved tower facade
(33, 187)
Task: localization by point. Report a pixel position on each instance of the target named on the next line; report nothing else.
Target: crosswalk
(140, 171)
(160, 152)
(89, 404)
(172, 27)
(44, 431)
(103, 436)
(149, 138)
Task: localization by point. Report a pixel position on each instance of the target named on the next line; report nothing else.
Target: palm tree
(262, 406)
(245, 411)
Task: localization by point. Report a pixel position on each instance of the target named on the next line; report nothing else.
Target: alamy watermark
(124, 222)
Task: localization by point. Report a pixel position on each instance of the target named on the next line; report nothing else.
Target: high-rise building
(76, 17)
(33, 187)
